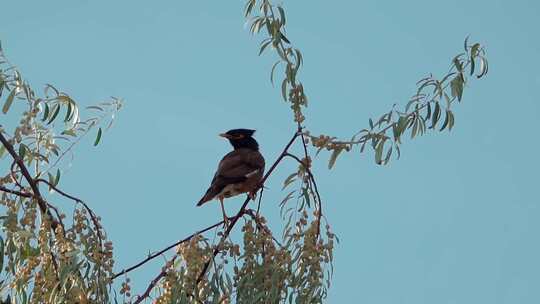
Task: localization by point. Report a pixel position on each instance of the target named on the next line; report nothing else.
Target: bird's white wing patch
(250, 174)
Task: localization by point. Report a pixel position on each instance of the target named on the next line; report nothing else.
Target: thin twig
(79, 201)
(154, 255)
(312, 179)
(260, 199)
(152, 284)
(18, 193)
(13, 175)
(261, 226)
(57, 215)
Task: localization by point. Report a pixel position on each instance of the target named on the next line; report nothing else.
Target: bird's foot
(225, 223)
(252, 195)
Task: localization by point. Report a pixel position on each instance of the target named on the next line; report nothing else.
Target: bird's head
(241, 138)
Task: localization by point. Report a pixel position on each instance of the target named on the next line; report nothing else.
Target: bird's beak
(225, 135)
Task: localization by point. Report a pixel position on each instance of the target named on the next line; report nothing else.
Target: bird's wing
(236, 167)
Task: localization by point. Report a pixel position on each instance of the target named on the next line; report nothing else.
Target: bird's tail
(203, 200)
(208, 196)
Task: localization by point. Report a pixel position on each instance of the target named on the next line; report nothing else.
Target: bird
(239, 171)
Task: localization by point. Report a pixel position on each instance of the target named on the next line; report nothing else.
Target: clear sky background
(455, 220)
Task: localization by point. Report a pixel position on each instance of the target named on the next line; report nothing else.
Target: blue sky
(455, 220)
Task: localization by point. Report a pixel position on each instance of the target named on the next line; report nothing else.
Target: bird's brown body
(240, 171)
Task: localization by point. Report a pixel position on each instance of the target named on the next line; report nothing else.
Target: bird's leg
(252, 194)
(225, 217)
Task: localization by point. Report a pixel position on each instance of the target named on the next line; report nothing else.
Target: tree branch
(18, 193)
(37, 195)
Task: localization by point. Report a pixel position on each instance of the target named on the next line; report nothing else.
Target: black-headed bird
(240, 171)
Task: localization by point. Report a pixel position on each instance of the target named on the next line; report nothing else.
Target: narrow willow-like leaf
(68, 112)
(289, 180)
(56, 110)
(282, 15)
(69, 132)
(22, 150)
(57, 178)
(98, 137)
(445, 123)
(263, 46)
(334, 157)
(284, 89)
(450, 120)
(1, 253)
(428, 112)
(378, 152)
(272, 72)
(45, 112)
(9, 101)
(388, 155)
(436, 115)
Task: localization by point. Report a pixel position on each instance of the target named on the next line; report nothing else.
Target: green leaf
(436, 115)
(289, 180)
(51, 180)
(45, 112)
(415, 128)
(1, 253)
(428, 114)
(9, 101)
(284, 38)
(378, 151)
(456, 86)
(445, 123)
(402, 124)
(95, 108)
(22, 150)
(299, 59)
(472, 66)
(70, 132)
(333, 157)
(249, 7)
(57, 179)
(388, 154)
(305, 194)
(458, 64)
(474, 50)
(483, 67)
(264, 45)
(98, 137)
(68, 112)
(282, 15)
(396, 133)
(450, 120)
(284, 89)
(56, 110)
(272, 72)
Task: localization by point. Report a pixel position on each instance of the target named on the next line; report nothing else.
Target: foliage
(45, 258)
(48, 257)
